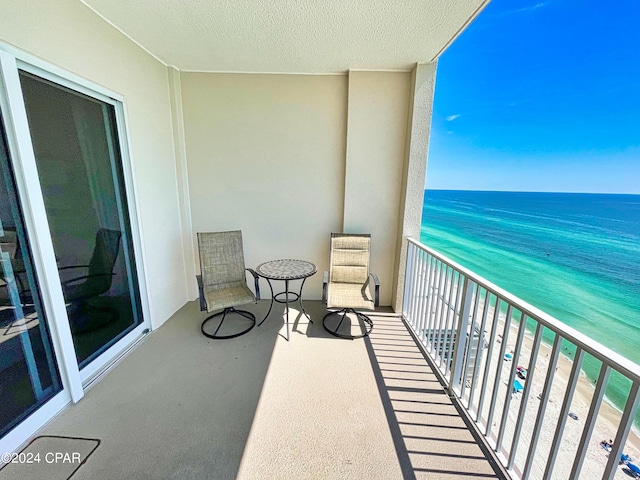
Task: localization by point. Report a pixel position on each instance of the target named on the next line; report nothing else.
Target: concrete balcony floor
(182, 406)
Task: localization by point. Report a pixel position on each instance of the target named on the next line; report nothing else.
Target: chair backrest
(221, 258)
(103, 259)
(349, 259)
(9, 242)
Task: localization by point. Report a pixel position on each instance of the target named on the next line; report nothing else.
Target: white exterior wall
(376, 134)
(423, 79)
(288, 159)
(265, 155)
(69, 35)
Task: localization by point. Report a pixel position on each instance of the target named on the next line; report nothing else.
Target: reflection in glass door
(28, 372)
(76, 147)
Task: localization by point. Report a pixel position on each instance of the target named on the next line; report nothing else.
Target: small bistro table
(287, 270)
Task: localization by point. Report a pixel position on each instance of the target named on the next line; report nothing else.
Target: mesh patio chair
(100, 273)
(81, 289)
(222, 283)
(347, 285)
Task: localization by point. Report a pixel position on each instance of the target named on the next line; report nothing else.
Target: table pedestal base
(286, 293)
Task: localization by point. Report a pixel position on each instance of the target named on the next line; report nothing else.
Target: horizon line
(525, 191)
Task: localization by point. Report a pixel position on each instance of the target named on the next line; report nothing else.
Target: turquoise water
(574, 256)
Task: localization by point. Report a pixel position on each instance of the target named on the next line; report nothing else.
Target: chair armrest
(325, 282)
(203, 303)
(256, 277)
(66, 283)
(376, 282)
(73, 266)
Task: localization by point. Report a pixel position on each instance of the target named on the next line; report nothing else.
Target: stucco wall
(67, 34)
(423, 79)
(376, 139)
(265, 155)
(288, 159)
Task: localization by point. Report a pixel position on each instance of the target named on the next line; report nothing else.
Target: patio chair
(99, 270)
(347, 285)
(97, 280)
(222, 283)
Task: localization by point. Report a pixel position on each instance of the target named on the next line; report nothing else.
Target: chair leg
(80, 317)
(230, 310)
(364, 319)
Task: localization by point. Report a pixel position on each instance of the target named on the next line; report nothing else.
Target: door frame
(74, 380)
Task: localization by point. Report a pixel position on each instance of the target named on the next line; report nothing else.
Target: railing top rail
(599, 351)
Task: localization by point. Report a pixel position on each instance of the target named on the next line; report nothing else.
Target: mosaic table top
(286, 269)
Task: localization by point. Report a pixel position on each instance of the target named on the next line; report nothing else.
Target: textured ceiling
(292, 36)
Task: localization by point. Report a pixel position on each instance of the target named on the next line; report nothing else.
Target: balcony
(409, 401)
(289, 132)
(182, 406)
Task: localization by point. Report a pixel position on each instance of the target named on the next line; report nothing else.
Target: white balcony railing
(445, 302)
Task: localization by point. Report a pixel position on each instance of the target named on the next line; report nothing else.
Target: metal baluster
(487, 365)
(426, 275)
(436, 308)
(592, 416)
(444, 308)
(544, 400)
(564, 411)
(454, 317)
(480, 349)
(531, 370)
(430, 302)
(507, 401)
(447, 332)
(469, 342)
(623, 431)
(496, 383)
(459, 351)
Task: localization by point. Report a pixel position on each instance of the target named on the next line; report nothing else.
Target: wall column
(182, 180)
(378, 105)
(415, 168)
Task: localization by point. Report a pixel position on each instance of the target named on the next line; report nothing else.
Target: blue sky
(540, 96)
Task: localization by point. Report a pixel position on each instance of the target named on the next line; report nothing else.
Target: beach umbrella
(633, 467)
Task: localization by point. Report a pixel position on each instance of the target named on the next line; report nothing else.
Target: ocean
(573, 256)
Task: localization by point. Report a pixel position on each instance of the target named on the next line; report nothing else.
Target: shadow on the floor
(180, 405)
(311, 323)
(430, 437)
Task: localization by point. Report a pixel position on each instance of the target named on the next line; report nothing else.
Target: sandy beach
(605, 427)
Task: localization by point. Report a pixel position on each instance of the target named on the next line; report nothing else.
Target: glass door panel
(28, 371)
(76, 147)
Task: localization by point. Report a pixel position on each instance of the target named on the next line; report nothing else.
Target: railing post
(408, 284)
(460, 341)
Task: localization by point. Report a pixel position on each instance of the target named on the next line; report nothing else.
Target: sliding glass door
(77, 153)
(71, 300)
(28, 371)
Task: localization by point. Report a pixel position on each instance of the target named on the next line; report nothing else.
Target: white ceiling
(290, 36)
